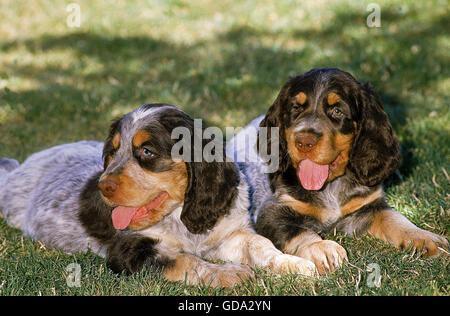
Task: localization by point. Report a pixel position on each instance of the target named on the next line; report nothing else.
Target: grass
(224, 61)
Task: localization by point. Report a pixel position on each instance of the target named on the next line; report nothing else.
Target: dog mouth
(124, 216)
(313, 176)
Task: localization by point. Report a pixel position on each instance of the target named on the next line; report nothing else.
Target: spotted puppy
(83, 195)
(336, 146)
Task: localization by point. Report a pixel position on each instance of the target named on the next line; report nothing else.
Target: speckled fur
(54, 197)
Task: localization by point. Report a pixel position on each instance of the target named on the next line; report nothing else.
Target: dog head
(330, 123)
(144, 182)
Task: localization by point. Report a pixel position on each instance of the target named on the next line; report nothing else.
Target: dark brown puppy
(336, 148)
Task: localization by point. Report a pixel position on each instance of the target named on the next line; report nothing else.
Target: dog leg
(195, 271)
(327, 255)
(396, 229)
(130, 252)
(249, 248)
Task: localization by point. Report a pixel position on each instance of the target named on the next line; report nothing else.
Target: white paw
(291, 264)
(326, 254)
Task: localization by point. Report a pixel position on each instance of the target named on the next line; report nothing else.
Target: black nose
(108, 187)
(306, 141)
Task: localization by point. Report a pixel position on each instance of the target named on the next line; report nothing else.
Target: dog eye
(147, 153)
(337, 113)
(297, 106)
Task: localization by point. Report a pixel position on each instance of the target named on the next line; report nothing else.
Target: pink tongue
(311, 175)
(122, 215)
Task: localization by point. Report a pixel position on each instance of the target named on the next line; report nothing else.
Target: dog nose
(306, 142)
(108, 187)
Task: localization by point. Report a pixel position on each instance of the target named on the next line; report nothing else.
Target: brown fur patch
(140, 137)
(194, 270)
(358, 202)
(304, 208)
(323, 215)
(333, 98)
(182, 267)
(343, 144)
(116, 141)
(291, 148)
(173, 181)
(301, 98)
(139, 186)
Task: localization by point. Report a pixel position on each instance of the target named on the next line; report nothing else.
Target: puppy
(336, 146)
(130, 201)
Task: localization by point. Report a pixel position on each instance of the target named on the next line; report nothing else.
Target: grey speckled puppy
(83, 195)
(41, 196)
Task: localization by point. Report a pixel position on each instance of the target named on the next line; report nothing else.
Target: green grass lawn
(225, 61)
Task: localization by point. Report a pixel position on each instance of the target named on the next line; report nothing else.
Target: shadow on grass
(236, 72)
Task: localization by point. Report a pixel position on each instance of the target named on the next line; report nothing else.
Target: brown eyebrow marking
(301, 98)
(140, 137)
(116, 140)
(333, 98)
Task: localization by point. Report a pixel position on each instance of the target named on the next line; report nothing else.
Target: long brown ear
(211, 192)
(375, 154)
(274, 118)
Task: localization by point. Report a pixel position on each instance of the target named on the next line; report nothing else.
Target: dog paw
(291, 264)
(229, 275)
(327, 255)
(428, 244)
(195, 271)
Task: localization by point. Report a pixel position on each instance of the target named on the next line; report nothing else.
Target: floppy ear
(274, 118)
(211, 191)
(375, 154)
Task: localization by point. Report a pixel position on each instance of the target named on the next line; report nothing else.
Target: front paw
(428, 244)
(195, 271)
(130, 252)
(291, 264)
(326, 254)
(228, 275)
